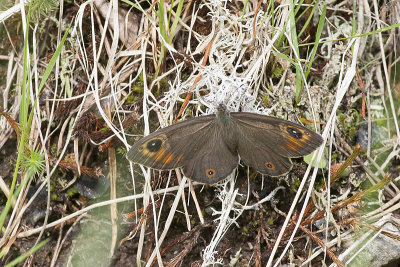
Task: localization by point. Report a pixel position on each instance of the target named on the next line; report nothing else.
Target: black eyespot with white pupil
(269, 165)
(295, 133)
(210, 173)
(154, 145)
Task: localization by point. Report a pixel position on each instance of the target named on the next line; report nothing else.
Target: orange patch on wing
(306, 135)
(160, 154)
(294, 144)
(179, 158)
(168, 158)
(298, 142)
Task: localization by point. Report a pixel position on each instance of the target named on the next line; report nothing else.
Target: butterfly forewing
(276, 135)
(168, 148)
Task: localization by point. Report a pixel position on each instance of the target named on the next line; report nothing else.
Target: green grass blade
(321, 24)
(176, 20)
(295, 43)
(27, 254)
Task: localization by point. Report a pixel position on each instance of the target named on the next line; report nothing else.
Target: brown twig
(371, 175)
(342, 168)
(189, 244)
(352, 199)
(362, 87)
(189, 95)
(145, 215)
(15, 125)
(316, 239)
(257, 247)
(71, 165)
(191, 235)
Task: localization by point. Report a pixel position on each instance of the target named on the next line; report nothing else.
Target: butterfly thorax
(223, 115)
(225, 128)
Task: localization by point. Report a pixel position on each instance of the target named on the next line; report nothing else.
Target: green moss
(72, 192)
(277, 71)
(352, 132)
(341, 117)
(103, 130)
(265, 99)
(40, 8)
(270, 222)
(294, 185)
(132, 98)
(185, 76)
(139, 85)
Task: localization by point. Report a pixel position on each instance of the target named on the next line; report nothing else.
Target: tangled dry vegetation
(81, 81)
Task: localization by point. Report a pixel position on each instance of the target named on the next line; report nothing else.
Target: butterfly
(208, 148)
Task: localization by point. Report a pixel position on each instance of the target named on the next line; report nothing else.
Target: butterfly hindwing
(263, 160)
(213, 159)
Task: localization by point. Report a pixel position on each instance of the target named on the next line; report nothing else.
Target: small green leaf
(322, 163)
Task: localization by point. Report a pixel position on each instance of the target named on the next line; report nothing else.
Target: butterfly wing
(213, 158)
(266, 143)
(196, 145)
(263, 161)
(166, 148)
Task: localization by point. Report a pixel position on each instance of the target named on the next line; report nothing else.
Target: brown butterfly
(207, 148)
